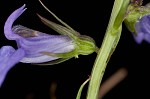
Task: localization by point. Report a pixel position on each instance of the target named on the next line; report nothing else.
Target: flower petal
(138, 38)
(145, 24)
(142, 28)
(8, 58)
(35, 42)
(9, 22)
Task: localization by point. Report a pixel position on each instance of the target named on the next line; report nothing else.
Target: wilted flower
(8, 58)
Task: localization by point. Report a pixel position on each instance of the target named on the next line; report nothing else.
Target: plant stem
(109, 44)
(99, 66)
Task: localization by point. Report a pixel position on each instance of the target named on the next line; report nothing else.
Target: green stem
(109, 44)
(99, 66)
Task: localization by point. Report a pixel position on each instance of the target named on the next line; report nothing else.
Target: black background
(89, 18)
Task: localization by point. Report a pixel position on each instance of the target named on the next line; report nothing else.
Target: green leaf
(81, 88)
(121, 15)
(57, 18)
(59, 28)
(116, 8)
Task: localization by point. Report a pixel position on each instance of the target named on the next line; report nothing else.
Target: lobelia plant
(44, 49)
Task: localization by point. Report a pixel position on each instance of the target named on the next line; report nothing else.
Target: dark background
(26, 81)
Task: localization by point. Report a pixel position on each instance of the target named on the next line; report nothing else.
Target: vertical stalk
(108, 46)
(99, 66)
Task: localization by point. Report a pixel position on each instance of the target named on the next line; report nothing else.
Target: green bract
(84, 45)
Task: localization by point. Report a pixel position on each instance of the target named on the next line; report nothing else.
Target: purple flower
(30, 44)
(8, 58)
(34, 42)
(142, 28)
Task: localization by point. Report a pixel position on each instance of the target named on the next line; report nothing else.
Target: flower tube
(34, 42)
(41, 47)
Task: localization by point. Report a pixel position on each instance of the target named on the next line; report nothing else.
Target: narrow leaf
(81, 88)
(121, 15)
(58, 19)
(59, 28)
